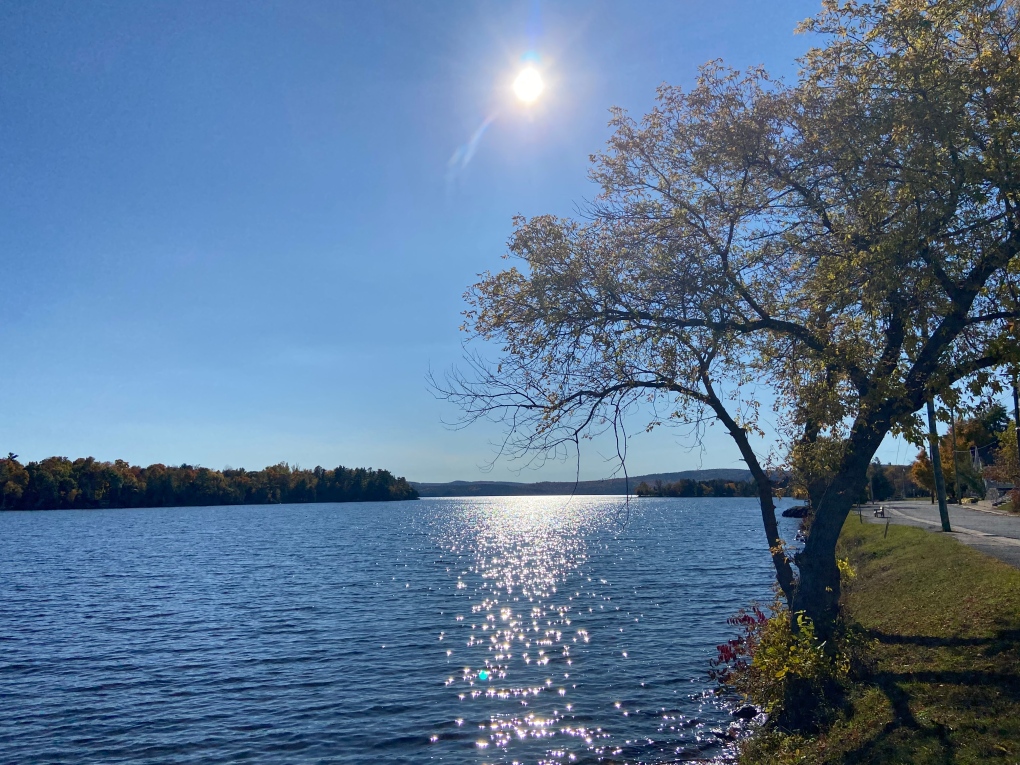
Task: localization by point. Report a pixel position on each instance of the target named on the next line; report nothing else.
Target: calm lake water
(492, 630)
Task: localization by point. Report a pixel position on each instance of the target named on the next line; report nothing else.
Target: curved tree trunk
(784, 571)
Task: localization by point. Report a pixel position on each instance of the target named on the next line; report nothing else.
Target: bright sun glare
(528, 86)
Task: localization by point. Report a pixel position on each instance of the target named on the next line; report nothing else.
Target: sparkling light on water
(530, 614)
(518, 554)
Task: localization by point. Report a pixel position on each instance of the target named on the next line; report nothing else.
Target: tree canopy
(848, 241)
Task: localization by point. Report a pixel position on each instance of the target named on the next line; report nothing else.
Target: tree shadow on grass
(1005, 639)
(880, 747)
(896, 688)
(941, 686)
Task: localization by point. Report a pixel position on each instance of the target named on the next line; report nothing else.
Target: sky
(234, 233)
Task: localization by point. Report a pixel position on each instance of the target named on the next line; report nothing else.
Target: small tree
(923, 473)
(881, 487)
(850, 241)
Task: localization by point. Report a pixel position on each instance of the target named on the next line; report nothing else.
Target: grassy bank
(945, 621)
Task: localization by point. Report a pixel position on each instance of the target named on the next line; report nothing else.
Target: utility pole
(936, 464)
(933, 447)
(1016, 412)
(956, 466)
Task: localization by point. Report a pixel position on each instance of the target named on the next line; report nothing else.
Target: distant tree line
(687, 487)
(59, 483)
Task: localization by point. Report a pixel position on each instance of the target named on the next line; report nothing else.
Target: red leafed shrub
(735, 654)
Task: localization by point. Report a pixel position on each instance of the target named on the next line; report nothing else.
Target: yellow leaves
(846, 571)
(779, 549)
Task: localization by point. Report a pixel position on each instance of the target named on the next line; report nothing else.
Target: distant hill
(607, 486)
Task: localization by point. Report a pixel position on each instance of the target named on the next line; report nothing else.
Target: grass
(945, 621)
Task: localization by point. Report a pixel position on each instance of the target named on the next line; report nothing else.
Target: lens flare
(528, 86)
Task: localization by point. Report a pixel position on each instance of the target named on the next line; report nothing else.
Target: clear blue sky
(228, 231)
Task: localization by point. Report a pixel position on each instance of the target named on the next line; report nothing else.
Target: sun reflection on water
(549, 654)
(517, 632)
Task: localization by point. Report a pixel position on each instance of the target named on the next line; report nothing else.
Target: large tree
(849, 240)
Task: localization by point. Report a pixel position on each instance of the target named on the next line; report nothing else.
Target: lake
(475, 630)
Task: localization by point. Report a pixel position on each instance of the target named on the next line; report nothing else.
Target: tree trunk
(817, 593)
(782, 564)
(816, 492)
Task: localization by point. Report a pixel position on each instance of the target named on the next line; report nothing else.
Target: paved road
(994, 533)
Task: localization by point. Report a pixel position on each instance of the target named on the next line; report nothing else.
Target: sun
(528, 86)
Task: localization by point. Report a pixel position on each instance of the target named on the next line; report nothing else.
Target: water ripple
(529, 630)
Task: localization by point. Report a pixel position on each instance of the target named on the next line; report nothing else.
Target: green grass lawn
(945, 621)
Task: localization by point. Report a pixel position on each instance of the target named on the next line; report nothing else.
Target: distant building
(997, 491)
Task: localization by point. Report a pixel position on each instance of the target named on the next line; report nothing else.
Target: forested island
(59, 483)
